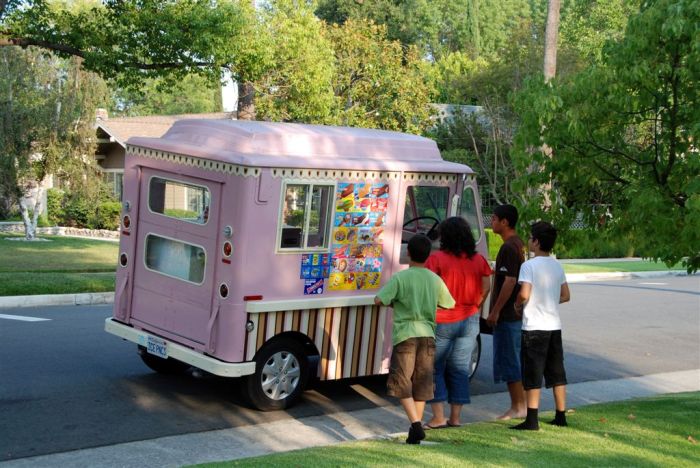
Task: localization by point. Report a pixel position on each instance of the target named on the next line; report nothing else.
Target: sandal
(449, 424)
(427, 426)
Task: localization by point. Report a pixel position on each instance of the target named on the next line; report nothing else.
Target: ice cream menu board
(358, 232)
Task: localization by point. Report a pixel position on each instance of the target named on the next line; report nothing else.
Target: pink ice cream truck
(255, 249)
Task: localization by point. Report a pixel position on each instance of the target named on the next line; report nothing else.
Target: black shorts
(542, 354)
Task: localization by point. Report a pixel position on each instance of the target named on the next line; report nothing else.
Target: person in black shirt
(504, 319)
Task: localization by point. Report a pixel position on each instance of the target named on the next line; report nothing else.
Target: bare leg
(533, 398)
(560, 397)
(518, 406)
(410, 406)
(438, 418)
(455, 412)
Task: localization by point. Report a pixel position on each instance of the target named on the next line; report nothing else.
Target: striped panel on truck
(351, 341)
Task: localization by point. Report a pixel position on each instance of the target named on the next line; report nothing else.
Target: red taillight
(223, 290)
(252, 298)
(228, 249)
(123, 260)
(126, 222)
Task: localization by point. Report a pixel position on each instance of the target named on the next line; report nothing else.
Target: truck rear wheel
(281, 371)
(160, 365)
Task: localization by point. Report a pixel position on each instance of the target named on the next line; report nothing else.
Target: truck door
(175, 255)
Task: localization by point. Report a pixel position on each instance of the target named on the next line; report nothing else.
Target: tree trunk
(550, 40)
(550, 69)
(246, 101)
(30, 224)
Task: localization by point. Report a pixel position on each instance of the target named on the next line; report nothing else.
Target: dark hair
(507, 212)
(456, 237)
(545, 233)
(419, 247)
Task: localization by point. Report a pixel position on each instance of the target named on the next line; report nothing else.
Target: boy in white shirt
(542, 288)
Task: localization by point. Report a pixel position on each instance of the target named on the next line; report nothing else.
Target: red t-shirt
(462, 276)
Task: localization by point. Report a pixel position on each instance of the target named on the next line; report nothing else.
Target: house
(113, 133)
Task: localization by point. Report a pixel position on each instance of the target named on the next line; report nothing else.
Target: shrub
(77, 212)
(54, 206)
(493, 242)
(107, 215)
(591, 244)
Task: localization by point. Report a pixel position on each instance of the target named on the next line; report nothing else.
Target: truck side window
(425, 206)
(467, 210)
(179, 200)
(176, 259)
(306, 216)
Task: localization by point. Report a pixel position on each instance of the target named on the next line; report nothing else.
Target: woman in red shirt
(467, 276)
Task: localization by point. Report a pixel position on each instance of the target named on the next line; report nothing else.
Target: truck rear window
(175, 258)
(179, 200)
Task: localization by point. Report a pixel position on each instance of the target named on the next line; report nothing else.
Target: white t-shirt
(541, 311)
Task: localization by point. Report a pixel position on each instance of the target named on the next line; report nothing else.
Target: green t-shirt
(415, 294)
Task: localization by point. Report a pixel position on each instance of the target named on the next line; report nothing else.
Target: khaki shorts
(411, 369)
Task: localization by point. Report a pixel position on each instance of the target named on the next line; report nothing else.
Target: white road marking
(22, 318)
(657, 284)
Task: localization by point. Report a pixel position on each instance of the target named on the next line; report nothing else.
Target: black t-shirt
(508, 261)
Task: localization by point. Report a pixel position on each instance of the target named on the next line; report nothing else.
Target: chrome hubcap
(280, 375)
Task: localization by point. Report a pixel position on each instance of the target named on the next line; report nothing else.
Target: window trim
(332, 185)
(181, 182)
(145, 265)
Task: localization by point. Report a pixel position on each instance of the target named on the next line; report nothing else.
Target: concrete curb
(332, 428)
(8, 302)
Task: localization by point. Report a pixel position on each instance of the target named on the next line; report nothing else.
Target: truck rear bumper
(182, 353)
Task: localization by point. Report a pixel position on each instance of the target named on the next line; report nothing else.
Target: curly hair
(456, 237)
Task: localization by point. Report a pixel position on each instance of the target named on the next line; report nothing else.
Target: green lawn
(658, 431)
(57, 266)
(64, 265)
(631, 266)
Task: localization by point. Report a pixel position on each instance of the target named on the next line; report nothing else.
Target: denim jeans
(454, 343)
(506, 352)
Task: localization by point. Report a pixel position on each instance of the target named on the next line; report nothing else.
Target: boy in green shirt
(414, 294)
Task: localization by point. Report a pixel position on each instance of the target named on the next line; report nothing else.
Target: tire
(476, 356)
(281, 373)
(162, 366)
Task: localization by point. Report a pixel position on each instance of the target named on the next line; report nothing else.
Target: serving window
(179, 200)
(175, 258)
(305, 218)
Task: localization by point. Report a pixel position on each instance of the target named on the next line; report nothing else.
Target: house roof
(274, 144)
(153, 126)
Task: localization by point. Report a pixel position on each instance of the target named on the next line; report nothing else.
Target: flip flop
(427, 426)
(449, 424)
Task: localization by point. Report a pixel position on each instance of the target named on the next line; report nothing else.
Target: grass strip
(657, 431)
(25, 284)
(629, 266)
(57, 254)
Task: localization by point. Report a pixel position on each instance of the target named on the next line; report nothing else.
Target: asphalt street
(67, 385)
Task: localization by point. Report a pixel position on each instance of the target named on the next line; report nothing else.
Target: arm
(564, 294)
(523, 295)
(377, 301)
(506, 291)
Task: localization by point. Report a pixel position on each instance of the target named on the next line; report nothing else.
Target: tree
(377, 83)
(624, 134)
(437, 27)
(297, 85)
(47, 106)
(194, 94)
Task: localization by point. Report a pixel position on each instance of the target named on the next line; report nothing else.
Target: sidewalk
(293, 434)
(40, 300)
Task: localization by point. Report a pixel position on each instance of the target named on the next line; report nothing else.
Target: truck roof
(292, 145)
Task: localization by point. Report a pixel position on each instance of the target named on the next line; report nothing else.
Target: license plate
(157, 347)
